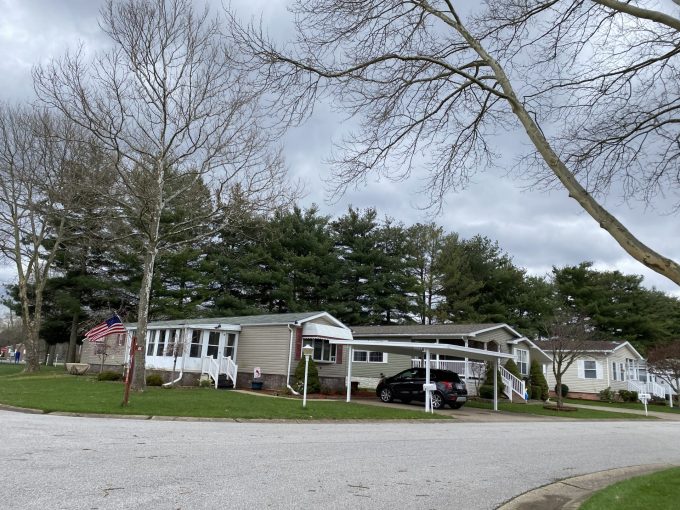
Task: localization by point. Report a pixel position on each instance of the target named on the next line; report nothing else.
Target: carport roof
(420, 347)
(430, 330)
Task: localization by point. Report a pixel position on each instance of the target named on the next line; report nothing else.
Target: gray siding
(500, 336)
(265, 347)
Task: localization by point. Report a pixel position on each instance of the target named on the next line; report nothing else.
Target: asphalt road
(57, 462)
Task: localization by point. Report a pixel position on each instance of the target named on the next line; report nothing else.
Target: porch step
(224, 383)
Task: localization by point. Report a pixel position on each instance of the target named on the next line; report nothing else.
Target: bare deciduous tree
(664, 362)
(592, 84)
(568, 339)
(175, 116)
(38, 186)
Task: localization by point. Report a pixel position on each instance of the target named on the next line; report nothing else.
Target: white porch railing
(512, 384)
(652, 388)
(214, 367)
(475, 369)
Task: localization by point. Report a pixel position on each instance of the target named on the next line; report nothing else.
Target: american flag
(108, 327)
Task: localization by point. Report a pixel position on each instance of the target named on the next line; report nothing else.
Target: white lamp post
(307, 350)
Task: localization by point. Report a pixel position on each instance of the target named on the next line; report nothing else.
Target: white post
(495, 387)
(304, 396)
(349, 374)
(466, 364)
(428, 401)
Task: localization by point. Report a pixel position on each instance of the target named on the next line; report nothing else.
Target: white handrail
(214, 367)
(512, 383)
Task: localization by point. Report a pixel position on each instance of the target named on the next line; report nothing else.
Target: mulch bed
(560, 409)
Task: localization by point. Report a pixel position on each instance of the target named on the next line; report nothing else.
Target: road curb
(570, 493)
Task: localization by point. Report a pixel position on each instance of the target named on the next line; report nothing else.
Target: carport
(419, 348)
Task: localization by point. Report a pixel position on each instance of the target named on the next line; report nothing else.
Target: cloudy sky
(539, 230)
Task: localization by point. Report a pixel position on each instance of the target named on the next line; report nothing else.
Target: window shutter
(581, 370)
(298, 343)
(598, 370)
(338, 354)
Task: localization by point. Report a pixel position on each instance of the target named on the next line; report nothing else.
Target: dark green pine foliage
(618, 305)
(424, 246)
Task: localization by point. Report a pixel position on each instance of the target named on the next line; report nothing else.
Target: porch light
(307, 350)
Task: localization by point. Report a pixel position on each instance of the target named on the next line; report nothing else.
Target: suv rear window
(445, 375)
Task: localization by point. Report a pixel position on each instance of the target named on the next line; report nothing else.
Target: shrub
(154, 380)
(205, 383)
(109, 375)
(486, 391)
(511, 367)
(565, 390)
(489, 381)
(313, 383)
(628, 396)
(607, 395)
(537, 382)
(633, 396)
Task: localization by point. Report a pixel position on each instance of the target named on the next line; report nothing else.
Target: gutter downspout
(181, 368)
(290, 360)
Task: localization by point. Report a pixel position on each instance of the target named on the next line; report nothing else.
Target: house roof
(603, 346)
(246, 320)
(428, 330)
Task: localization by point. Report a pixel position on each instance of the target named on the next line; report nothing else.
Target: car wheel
(437, 400)
(386, 394)
(456, 406)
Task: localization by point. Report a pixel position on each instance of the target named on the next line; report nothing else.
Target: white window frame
(581, 367)
(326, 347)
(368, 356)
(525, 362)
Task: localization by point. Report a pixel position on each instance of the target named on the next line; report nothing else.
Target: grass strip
(638, 406)
(539, 410)
(660, 491)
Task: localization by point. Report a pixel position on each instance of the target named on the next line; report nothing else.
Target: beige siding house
(602, 365)
(235, 347)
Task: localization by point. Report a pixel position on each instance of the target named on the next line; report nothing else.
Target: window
(120, 339)
(150, 335)
(160, 342)
(213, 344)
(615, 372)
(323, 350)
(590, 369)
(195, 350)
(369, 357)
(522, 357)
(229, 345)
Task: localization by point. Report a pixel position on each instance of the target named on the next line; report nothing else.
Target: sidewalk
(655, 414)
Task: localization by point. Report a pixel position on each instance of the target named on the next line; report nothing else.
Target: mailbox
(429, 387)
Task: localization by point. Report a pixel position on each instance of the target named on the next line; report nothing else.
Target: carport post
(495, 386)
(349, 374)
(428, 396)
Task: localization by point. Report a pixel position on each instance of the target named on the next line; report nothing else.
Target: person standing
(17, 356)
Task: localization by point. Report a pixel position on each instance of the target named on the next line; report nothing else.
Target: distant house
(605, 364)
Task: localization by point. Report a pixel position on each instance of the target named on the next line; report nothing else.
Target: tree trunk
(73, 340)
(139, 375)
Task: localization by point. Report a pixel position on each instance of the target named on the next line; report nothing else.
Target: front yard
(536, 408)
(52, 390)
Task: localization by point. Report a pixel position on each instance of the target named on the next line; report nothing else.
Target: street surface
(59, 462)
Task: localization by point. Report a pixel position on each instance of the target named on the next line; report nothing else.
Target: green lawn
(537, 409)
(52, 390)
(658, 491)
(624, 405)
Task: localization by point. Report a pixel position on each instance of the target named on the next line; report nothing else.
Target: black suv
(408, 385)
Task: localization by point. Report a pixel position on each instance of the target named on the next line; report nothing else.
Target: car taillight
(447, 385)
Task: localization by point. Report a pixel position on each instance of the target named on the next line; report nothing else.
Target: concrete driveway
(50, 462)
